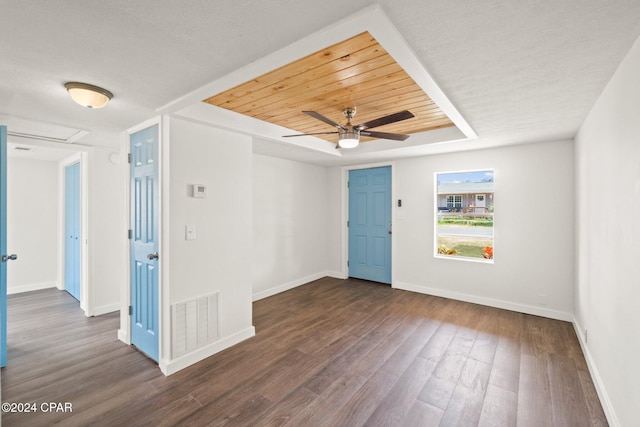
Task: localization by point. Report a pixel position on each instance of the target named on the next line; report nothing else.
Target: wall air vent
(194, 324)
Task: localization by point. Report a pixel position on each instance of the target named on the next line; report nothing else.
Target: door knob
(12, 257)
(153, 255)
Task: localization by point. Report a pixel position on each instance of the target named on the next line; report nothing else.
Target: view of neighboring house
(466, 197)
(464, 203)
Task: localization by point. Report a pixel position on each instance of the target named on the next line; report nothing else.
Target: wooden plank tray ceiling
(357, 72)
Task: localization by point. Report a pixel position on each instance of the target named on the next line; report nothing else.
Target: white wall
(219, 259)
(336, 232)
(533, 241)
(107, 231)
(608, 279)
(289, 224)
(32, 224)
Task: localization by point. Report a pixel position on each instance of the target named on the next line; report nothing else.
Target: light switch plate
(190, 232)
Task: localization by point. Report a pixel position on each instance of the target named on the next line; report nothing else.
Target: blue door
(144, 241)
(3, 245)
(72, 230)
(370, 224)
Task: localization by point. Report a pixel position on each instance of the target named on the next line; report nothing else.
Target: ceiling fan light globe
(348, 140)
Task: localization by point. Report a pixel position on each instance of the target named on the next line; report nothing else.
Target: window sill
(464, 258)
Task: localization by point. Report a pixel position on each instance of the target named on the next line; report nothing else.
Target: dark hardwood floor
(330, 353)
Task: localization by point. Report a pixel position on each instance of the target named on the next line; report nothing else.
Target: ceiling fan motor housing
(349, 135)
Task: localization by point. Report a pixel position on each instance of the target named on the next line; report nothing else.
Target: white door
(481, 203)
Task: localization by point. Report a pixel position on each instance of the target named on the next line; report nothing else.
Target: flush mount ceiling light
(87, 95)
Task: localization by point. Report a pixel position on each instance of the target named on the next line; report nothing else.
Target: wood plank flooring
(330, 353)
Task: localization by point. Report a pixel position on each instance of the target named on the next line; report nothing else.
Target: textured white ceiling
(517, 71)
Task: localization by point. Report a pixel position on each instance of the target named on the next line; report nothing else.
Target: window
(454, 202)
(464, 215)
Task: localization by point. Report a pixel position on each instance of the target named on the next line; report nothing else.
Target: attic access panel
(356, 72)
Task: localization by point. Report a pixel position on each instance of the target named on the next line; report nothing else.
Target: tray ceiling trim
(371, 20)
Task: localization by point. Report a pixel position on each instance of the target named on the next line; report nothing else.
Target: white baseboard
(290, 285)
(124, 337)
(173, 366)
(30, 287)
(612, 419)
(104, 309)
(335, 274)
(521, 308)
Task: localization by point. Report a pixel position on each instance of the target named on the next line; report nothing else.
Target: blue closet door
(72, 230)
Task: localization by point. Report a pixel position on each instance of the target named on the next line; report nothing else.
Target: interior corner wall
(335, 224)
(32, 224)
(289, 224)
(608, 282)
(219, 258)
(107, 230)
(534, 238)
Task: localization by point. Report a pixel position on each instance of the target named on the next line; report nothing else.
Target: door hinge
(129, 234)
(348, 184)
(347, 223)
(347, 263)
(128, 157)
(130, 310)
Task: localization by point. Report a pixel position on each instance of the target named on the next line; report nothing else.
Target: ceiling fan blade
(391, 118)
(315, 133)
(384, 135)
(324, 119)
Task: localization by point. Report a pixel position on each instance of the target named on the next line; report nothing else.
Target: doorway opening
(36, 216)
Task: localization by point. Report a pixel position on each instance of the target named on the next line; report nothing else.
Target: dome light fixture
(87, 95)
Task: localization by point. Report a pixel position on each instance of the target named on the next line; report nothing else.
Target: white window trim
(436, 255)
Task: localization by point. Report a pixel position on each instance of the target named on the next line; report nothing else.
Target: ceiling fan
(349, 135)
